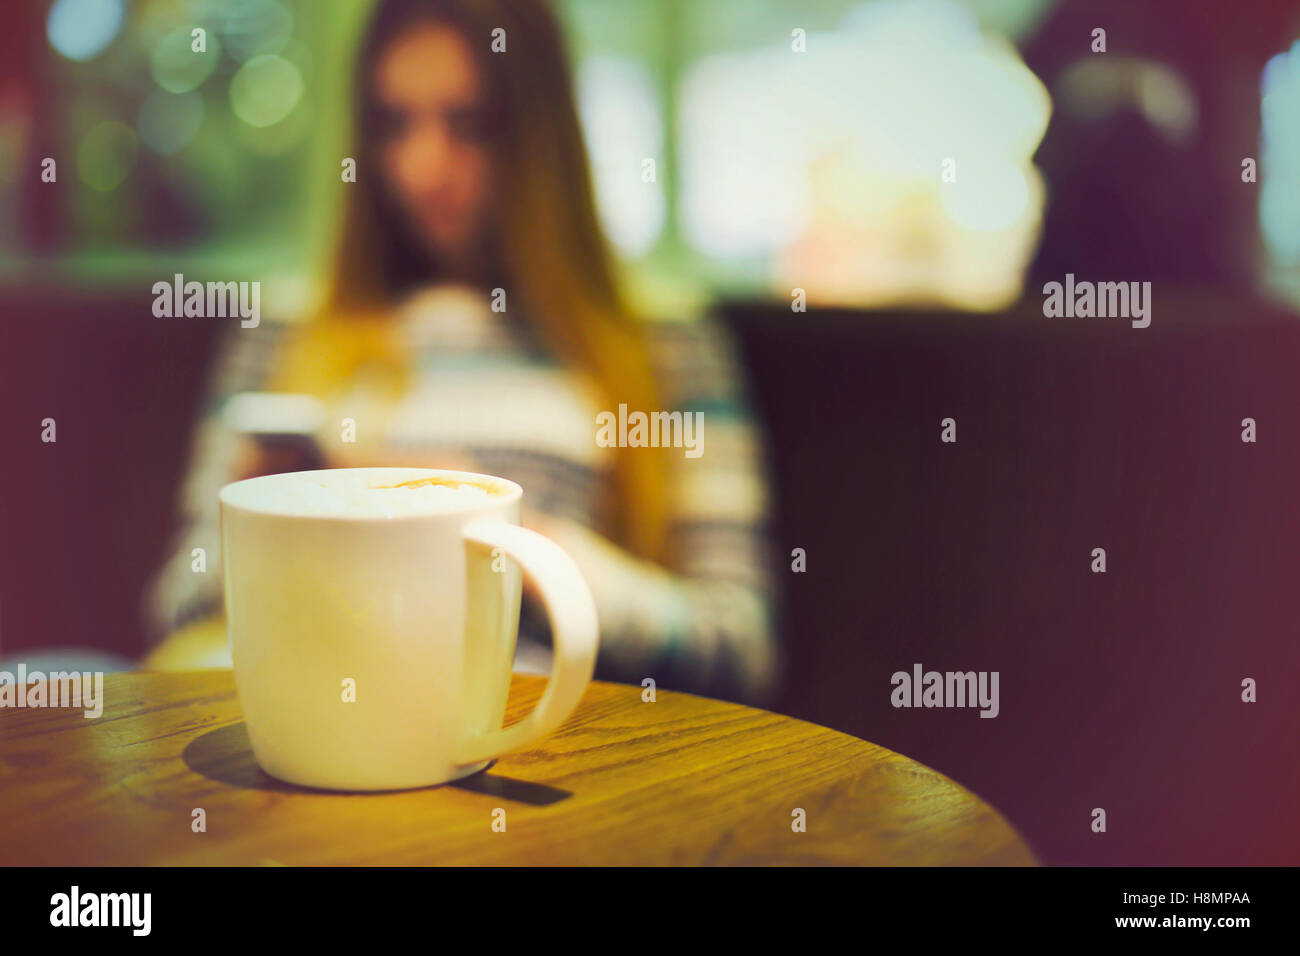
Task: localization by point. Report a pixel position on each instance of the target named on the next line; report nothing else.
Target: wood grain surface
(681, 780)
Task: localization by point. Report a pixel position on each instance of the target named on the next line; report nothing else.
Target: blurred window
(809, 146)
(753, 145)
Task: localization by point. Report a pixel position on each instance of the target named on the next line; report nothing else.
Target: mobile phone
(284, 425)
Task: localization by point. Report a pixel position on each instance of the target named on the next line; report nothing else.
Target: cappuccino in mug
(373, 614)
(351, 492)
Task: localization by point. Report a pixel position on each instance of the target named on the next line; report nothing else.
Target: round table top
(680, 780)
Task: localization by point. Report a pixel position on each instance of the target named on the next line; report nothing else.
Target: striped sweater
(485, 390)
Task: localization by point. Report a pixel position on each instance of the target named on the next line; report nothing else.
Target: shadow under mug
(375, 652)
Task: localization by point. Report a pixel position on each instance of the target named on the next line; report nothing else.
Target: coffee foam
(365, 496)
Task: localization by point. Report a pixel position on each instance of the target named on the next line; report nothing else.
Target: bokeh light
(169, 121)
(265, 90)
(1279, 196)
(82, 29)
(106, 155)
(1093, 88)
(175, 65)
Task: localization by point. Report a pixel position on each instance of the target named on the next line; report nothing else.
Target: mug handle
(574, 634)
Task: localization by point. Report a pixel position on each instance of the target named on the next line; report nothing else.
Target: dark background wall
(84, 520)
(1118, 690)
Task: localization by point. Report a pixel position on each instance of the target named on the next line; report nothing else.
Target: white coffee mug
(374, 652)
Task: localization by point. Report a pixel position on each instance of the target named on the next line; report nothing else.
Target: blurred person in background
(472, 178)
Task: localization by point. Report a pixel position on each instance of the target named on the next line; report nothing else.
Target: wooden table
(682, 780)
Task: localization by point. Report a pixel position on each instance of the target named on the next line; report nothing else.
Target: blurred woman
(475, 323)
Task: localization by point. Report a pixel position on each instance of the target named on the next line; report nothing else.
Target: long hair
(546, 246)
